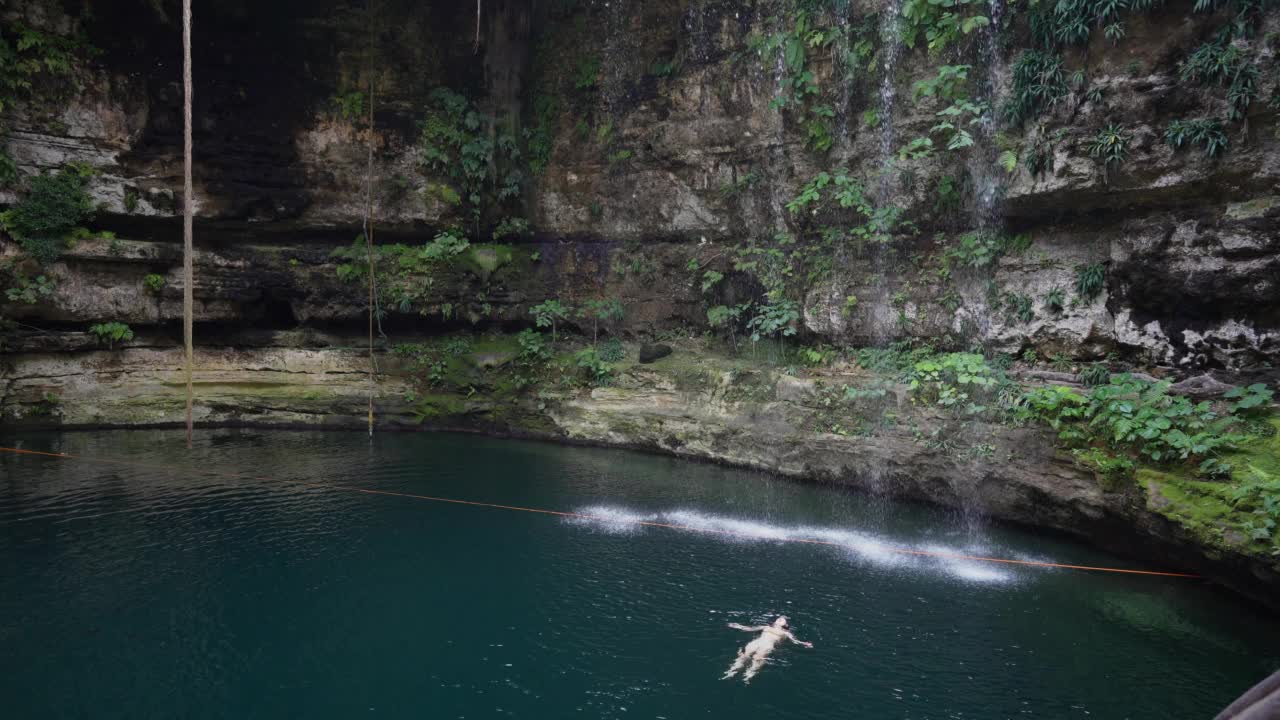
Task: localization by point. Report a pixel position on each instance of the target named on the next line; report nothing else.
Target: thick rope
(587, 516)
(368, 221)
(188, 193)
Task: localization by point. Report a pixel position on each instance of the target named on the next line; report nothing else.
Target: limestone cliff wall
(669, 145)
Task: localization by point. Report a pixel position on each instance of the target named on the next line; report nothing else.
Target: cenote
(160, 589)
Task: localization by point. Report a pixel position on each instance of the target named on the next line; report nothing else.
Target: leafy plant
(1019, 308)
(611, 350)
(1038, 83)
(1136, 416)
(775, 318)
(1095, 374)
(601, 310)
(111, 333)
(457, 140)
(1055, 301)
(54, 205)
(510, 227)
(1110, 145)
(1206, 132)
(1090, 280)
(938, 25)
(153, 283)
(24, 290)
(349, 105)
(1251, 400)
(598, 371)
(548, 313)
(723, 317)
(953, 380)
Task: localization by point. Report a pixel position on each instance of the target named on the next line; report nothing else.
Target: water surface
(167, 592)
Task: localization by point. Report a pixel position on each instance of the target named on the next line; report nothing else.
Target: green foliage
(349, 105)
(603, 310)
(1095, 374)
(619, 156)
(813, 29)
(29, 57)
(665, 68)
(21, 289)
(1113, 468)
(1090, 280)
(153, 283)
(1251, 400)
(897, 358)
(597, 371)
(938, 24)
(840, 192)
(549, 313)
(1110, 145)
(511, 227)
(1038, 83)
(739, 185)
(1039, 150)
(457, 140)
(776, 318)
(723, 317)
(1018, 308)
(587, 74)
(404, 273)
(953, 380)
(1055, 301)
(1227, 65)
(533, 348)
(55, 204)
(111, 333)
(983, 248)
(611, 350)
(1206, 132)
(1137, 417)
(1070, 22)
(539, 134)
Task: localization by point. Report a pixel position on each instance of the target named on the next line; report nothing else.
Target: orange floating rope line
(598, 518)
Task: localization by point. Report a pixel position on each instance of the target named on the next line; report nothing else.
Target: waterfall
(891, 49)
(982, 162)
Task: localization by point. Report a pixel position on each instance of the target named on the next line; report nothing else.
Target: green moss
(439, 406)
(485, 259)
(1208, 509)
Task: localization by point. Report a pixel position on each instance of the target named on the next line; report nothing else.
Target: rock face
(662, 130)
(648, 148)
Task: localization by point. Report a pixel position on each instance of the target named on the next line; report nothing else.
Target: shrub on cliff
(54, 206)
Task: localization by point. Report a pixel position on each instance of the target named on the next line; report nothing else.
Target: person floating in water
(757, 651)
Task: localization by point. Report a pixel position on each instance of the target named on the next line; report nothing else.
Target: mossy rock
(486, 259)
(1208, 508)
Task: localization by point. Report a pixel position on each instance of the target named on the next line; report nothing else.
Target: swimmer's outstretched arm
(757, 628)
(797, 640)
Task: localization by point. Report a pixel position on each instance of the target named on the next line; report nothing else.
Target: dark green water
(150, 593)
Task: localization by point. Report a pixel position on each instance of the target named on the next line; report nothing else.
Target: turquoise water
(154, 593)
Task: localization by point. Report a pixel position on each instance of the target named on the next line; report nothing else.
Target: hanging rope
(476, 49)
(368, 221)
(188, 203)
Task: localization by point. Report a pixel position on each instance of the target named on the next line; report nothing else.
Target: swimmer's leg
(757, 662)
(737, 664)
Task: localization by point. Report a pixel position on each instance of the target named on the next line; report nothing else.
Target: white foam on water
(610, 519)
(857, 545)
